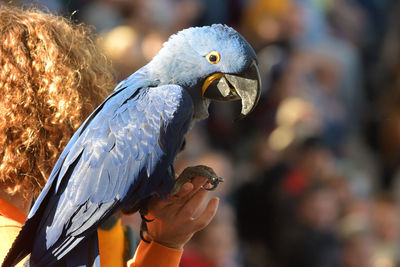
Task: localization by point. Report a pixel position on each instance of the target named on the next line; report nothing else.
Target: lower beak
(230, 87)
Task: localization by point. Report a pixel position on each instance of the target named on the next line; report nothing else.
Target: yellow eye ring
(213, 57)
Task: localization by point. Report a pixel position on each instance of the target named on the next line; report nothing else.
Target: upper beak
(229, 87)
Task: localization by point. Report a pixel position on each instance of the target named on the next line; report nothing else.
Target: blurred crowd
(312, 176)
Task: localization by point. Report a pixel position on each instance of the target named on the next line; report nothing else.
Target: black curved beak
(230, 87)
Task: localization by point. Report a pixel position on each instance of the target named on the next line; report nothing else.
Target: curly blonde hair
(51, 77)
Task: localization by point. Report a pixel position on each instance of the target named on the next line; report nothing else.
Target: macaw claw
(214, 181)
(200, 170)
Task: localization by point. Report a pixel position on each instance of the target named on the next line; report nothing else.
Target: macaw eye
(213, 57)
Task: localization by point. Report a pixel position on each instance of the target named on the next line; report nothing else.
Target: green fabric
(131, 243)
(109, 223)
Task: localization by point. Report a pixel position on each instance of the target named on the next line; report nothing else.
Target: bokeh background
(312, 175)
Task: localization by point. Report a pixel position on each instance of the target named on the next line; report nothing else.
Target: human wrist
(171, 245)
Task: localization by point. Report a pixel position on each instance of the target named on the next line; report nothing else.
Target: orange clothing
(11, 221)
(111, 243)
(154, 254)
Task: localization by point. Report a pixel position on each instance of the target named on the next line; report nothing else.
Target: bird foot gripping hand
(200, 170)
(186, 176)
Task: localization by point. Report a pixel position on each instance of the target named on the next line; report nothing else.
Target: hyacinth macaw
(124, 151)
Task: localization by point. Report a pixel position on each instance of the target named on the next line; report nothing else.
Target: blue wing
(118, 157)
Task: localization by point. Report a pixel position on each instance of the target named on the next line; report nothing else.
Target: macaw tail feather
(85, 254)
(21, 246)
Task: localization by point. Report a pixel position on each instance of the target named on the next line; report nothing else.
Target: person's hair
(51, 77)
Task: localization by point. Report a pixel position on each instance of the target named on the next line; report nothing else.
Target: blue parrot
(124, 151)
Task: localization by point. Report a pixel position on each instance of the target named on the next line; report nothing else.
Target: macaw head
(212, 63)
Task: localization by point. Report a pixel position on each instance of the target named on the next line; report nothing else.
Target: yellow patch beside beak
(209, 81)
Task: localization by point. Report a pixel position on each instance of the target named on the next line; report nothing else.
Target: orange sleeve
(11, 221)
(154, 254)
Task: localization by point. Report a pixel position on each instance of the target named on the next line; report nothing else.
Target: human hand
(174, 223)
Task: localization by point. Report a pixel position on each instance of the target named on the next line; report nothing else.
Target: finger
(185, 189)
(193, 203)
(207, 186)
(207, 215)
(156, 204)
(198, 182)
